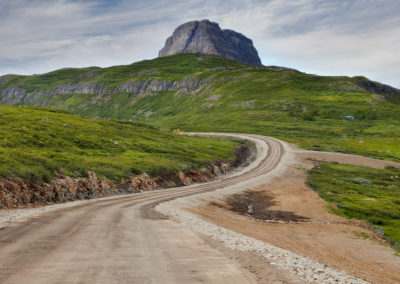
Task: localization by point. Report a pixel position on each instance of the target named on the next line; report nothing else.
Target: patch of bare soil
(256, 204)
(288, 214)
(345, 159)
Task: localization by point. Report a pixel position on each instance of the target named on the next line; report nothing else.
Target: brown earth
(288, 214)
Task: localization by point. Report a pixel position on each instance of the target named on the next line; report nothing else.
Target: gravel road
(125, 240)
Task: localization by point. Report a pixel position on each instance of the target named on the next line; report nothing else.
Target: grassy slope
(363, 193)
(293, 106)
(38, 143)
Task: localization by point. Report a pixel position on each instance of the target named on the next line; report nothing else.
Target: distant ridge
(207, 37)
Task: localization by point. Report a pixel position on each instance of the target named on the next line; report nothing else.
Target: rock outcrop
(188, 85)
(13, 95)
(207, 37)
(377, 88)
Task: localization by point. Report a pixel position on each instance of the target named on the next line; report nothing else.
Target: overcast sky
(354, 37)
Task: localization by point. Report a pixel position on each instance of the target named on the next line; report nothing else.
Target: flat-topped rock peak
(207, 37)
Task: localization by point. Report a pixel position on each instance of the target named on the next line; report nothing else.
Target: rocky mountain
(207, 37)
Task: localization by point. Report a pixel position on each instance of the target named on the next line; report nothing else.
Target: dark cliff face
(377, 88)
(207, 37)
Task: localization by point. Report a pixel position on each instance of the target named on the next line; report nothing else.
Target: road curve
(123, 240)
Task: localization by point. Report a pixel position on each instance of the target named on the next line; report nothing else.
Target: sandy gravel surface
(264, 271)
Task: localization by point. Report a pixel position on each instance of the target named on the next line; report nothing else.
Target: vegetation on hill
(35, 144)
(306, 109)
(368, 194)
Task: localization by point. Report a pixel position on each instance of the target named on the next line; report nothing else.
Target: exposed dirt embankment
(17, 193)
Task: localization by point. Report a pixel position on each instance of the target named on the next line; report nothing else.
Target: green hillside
(197, 92)
(35, 144)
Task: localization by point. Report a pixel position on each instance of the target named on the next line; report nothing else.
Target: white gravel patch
(15, 215)
(307, 269)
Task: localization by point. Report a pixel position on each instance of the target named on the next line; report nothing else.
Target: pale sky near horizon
(325, 37)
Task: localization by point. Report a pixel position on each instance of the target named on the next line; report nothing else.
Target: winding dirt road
(122, 240)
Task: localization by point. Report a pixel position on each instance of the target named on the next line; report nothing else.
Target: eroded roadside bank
(17, 193)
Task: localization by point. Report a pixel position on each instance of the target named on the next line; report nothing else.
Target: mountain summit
(207, 37)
